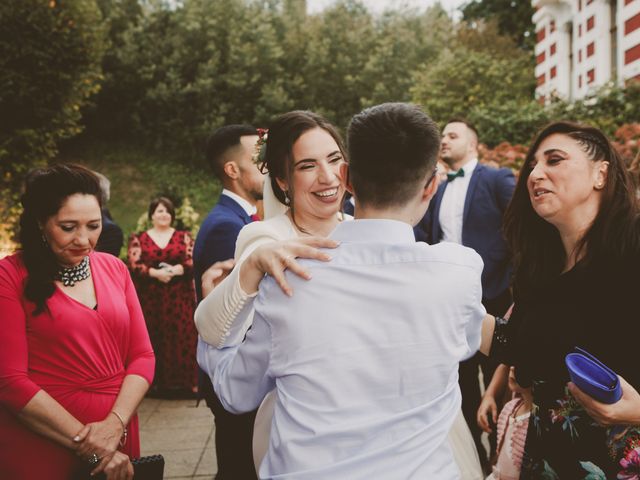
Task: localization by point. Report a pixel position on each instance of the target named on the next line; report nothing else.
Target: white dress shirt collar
(374, 230)
(246, 206)
(469, 166)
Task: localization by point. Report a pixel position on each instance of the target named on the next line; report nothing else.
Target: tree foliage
(513, 18)
(50, 54)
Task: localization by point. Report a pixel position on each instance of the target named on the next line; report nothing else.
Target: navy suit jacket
(216, 240)
(488, 195)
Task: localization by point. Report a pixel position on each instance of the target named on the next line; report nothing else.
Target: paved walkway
(182, 433)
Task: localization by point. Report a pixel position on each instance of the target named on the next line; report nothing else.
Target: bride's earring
(286, 198)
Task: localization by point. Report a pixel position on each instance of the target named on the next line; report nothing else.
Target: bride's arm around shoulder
(224, 316)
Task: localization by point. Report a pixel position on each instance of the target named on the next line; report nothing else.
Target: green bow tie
(453, 175)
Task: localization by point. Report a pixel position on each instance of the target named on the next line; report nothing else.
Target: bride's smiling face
(318, 186)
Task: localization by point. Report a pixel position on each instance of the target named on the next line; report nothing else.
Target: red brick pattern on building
(591, 22)
(632, 24)
(632, 54)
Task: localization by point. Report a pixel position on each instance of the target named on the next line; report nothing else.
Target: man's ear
(344, 174)
(431, 187)
(231, 169)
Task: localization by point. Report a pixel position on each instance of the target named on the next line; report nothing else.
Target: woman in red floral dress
(161, 262)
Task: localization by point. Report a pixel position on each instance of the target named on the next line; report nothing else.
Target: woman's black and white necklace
(72, 275)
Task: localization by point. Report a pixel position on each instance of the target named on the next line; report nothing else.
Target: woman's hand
(161, 274)
(99, 438)
(488, 406)
(625, 411)
(176, 270)
(276, 257)
(215, 274)
(119, 467)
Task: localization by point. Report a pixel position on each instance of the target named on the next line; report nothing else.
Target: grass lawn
(138, 176)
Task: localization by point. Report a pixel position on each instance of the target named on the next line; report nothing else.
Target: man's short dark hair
(221, 142)
(466, 122)
(391, 148)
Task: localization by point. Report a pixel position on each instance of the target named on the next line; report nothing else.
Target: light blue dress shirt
(364, 357)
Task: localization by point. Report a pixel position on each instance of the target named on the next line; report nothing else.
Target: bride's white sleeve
(224, 316)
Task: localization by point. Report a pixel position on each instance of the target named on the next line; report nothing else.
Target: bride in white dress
(302, 204)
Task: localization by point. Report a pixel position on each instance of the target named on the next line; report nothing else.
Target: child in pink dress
(513, 423)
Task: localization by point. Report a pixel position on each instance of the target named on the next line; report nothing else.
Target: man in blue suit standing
(468, 209)
(229, 152)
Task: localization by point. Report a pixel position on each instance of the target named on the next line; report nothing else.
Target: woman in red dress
(75, 360)
(161, 260)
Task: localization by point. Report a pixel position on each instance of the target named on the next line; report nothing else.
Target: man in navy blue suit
(468, 209)
(229, 152)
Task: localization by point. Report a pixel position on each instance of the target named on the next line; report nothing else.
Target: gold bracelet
(123, 439)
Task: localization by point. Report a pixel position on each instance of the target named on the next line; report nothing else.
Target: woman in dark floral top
(573, 229)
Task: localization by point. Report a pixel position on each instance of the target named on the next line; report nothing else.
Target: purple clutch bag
(593, 377)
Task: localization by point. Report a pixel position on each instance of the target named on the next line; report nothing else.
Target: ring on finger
(93, 459)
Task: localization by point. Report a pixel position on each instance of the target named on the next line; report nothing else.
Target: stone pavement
(182, 433)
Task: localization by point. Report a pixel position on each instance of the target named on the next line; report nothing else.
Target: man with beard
(468, 209)
(229, 152)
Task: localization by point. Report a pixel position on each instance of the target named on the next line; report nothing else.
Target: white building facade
(583, 44)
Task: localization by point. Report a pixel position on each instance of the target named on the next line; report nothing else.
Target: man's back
(365, 356)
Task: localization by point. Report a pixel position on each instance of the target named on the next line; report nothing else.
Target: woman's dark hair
(536, 245)
(283, 133)
(168, 204)
(46, 189)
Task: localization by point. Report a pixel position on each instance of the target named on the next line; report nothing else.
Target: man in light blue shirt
(364, 357)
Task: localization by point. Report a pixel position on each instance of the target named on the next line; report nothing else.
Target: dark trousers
(470, 383)
(234, 437)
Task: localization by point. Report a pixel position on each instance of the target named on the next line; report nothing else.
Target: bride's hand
(276, 257)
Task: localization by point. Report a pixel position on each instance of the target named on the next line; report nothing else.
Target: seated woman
(76, 359)
(303, 157)
(161, 263)
(573, 228)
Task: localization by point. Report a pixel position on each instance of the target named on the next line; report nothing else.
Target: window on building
(552, 73)
(579, 5)
(589, 2)
(552, 26)
(540, 58)
(579, 81)
(540, 80)
(552, 50)
(579, 55)
(591, 76)
(590, 49)
(580, 30)
(591, 22)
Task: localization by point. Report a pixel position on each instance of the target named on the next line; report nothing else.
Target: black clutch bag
(148, 468)
(144, 468)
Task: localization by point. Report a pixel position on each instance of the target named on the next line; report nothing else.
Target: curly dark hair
(45, 191)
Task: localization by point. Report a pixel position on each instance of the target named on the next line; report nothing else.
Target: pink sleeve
(16, 388)
(140, 357)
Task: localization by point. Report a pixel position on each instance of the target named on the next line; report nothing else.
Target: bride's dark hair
(283, 133)
(45, 191)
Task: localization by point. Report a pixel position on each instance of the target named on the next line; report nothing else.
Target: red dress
(168, 309)
(76, 354)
